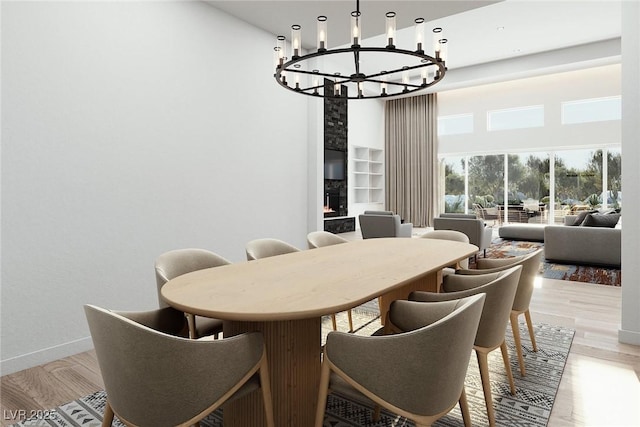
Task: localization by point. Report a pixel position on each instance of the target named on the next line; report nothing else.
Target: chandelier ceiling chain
(358, 80)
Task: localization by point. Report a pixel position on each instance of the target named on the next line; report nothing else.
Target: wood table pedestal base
(293, 351)
(428, 283)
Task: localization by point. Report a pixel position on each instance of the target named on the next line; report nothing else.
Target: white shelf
(368, 175)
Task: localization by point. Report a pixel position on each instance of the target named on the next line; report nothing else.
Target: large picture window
(454, 185)
(582, 179)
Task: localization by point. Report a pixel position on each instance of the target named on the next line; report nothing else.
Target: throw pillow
(597, 220)
(581, 216)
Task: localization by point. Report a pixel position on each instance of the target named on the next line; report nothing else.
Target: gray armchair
(418, 374)
(374, 224)
(479, 234)
(156, 379)
(500, 289)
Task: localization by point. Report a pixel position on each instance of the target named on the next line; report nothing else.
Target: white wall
(129, 129)
(366, 129)
(630, 327)
(549, 91)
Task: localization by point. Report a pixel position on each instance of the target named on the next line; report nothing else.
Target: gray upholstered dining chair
(265, 248)
(318, 239)
(453, 235)
(157, 379)
(177, 262)
(500, 289)
(417, 374)
(530, 268)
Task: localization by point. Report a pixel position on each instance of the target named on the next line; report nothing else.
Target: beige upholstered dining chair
(530, 268)
(177, 262)
(318, 239)
(157, 379)
(265, 248)
(500, 290)
(418, 374)
(456, 236)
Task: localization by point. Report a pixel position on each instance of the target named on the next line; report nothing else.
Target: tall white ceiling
(477, 31)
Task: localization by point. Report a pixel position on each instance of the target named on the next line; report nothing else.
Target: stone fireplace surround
(335, 138)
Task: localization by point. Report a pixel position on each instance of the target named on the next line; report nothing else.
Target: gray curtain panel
(411, 171)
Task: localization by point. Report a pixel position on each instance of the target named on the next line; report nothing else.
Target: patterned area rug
(501, 248)
(530, 407)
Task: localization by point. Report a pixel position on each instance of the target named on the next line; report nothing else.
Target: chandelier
(348, 72)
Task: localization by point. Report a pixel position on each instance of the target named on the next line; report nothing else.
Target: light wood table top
(311, 283)
(285, 296)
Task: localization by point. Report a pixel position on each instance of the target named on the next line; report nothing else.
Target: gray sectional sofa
(583, 245)
(570, 243)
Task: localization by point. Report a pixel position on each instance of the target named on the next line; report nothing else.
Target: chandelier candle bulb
(281, 47)
(391, 29)
(436, 41)
(322, 33)
(296, 40)
(419, 27)
(356, 27)
(443, 49)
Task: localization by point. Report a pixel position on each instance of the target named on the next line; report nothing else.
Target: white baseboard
(43, 356)
(629, 337)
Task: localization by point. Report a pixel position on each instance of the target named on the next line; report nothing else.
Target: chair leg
(107, 418)
(527, 317)
(507, 366)
(350, 320)
(265, 386)
(483, 364)
(464, 408)
(333, 321)
(515, 328)
(376, 414)
(323, 391)
(191, 321)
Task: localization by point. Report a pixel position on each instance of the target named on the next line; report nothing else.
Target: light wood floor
(600, 385)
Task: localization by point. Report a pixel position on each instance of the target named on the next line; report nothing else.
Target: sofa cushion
(599, 220)
(581, 216)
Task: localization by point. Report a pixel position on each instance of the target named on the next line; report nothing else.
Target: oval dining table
(285, 297)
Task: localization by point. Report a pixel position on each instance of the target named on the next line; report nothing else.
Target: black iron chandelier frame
(385, 78)
(357, 76)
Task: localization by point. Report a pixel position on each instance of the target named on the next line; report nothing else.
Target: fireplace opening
(331, 203)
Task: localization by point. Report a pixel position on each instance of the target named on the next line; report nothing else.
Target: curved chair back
(405, 382)
(500, 289)
(318, 239)
(456, 236)
(530, 268)
(177, 262)
(141, 392)
(265, 248)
